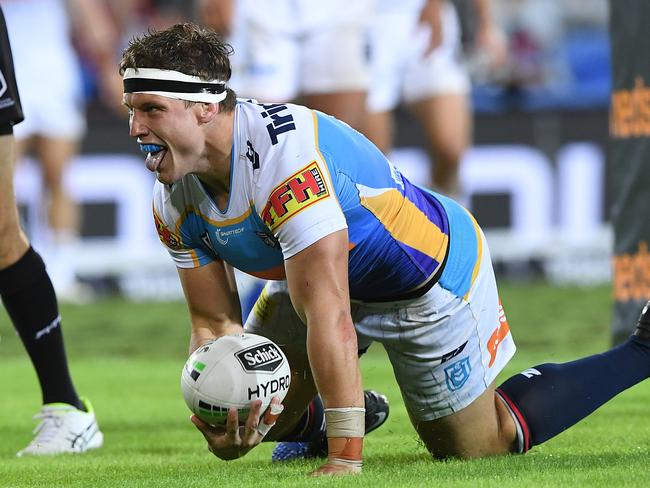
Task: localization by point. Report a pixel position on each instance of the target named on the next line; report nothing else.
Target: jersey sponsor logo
(280, 123)
(252, 155)
(295, 194)
(262, 357)
(224, 235)
(167, 237)
(457, 374)
(268, 239)
(205, 239)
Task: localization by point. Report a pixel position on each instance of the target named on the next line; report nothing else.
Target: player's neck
(218, 155)
(217, 182)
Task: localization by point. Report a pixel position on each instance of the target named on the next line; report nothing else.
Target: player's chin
(166, 177)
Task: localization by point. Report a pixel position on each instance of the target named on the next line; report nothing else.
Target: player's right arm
(212, 300)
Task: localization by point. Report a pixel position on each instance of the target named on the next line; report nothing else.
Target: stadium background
(535, 176)
(537, 180)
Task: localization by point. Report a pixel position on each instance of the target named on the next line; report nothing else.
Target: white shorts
(445, 350)
(400, 72)
(277, 62)
(47, 70)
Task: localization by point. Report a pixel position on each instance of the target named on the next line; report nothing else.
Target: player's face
(168, 133)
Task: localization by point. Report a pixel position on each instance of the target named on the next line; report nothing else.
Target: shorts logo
(166, 236)
(295, 194)
(3, 84)
(457, 374)
(263, 357)
(497, 337)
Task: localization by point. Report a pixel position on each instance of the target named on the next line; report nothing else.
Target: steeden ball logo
(262, 357)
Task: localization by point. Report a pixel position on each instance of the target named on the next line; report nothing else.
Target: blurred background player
(67, 422)
(41, 33)
(416, 58)
(285, 49)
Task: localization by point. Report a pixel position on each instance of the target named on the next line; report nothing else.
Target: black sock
(29, 298)
(547, 399)
(311, 426)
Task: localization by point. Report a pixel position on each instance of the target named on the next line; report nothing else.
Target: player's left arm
(318, 283)
(212, 300)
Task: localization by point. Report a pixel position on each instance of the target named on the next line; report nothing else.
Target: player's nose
(136, 127)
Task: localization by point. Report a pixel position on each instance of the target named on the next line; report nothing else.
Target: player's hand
(232, 441)
(431, 18)
(343, 457)
(329, 469)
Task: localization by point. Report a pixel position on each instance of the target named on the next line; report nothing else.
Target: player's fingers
(208, 431)
(232, 424)
(253, 417)
(270, 416)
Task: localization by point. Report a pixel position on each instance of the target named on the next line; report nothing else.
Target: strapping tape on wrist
(345, 422)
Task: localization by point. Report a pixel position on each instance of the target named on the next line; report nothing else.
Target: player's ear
(208, 111)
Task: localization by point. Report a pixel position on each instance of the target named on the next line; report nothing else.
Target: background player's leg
(348, 106)
(446, 120)
(378, 127)
(63, 214)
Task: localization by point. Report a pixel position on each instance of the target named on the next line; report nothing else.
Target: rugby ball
(232, 371)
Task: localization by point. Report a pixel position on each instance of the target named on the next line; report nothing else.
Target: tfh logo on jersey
(295, 194)
(263, 357)
(166, 236)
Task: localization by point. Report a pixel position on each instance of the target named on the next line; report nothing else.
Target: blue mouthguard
(151, 148)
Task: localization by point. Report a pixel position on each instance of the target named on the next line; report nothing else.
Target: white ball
(232, 371)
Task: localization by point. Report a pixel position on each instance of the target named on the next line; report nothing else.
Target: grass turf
(127, 358)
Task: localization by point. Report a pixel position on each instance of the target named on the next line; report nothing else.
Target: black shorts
(10, 110)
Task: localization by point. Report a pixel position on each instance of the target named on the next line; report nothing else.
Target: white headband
(173, 84)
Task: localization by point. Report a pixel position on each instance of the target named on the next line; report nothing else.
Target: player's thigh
(273, 316)
(483, 428)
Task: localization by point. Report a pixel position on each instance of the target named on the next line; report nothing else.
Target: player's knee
(13, 244)
(483, 428)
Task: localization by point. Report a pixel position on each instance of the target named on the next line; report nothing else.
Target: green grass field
(127, 358)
